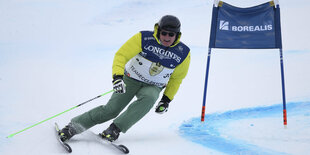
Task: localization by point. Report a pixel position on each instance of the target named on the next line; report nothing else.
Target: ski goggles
(164, 33)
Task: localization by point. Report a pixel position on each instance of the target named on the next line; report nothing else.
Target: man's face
(167, 37)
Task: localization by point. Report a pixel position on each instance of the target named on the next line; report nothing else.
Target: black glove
(118, 84)
(163, 105)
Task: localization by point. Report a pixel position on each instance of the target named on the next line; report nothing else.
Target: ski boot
(111, 133)
(67, 132)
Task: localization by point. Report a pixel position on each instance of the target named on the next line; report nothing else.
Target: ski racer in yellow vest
(147, 63)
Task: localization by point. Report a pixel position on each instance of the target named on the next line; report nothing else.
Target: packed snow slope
(57, 54)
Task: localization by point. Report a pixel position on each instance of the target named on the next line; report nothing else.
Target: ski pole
(10, 136)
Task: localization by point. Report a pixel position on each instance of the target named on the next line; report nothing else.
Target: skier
(147, 63)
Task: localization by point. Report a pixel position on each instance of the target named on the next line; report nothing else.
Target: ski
(64, 144)
(120, 147)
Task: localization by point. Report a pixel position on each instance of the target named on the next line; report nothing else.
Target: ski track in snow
(210, 133)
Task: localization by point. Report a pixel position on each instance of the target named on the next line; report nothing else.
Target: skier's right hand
(118, 84)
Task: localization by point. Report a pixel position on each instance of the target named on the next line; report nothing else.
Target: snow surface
(56, 54)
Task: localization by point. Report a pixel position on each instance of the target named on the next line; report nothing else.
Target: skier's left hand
(163, 105)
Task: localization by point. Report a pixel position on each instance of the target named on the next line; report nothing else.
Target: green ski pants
(146, 95)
